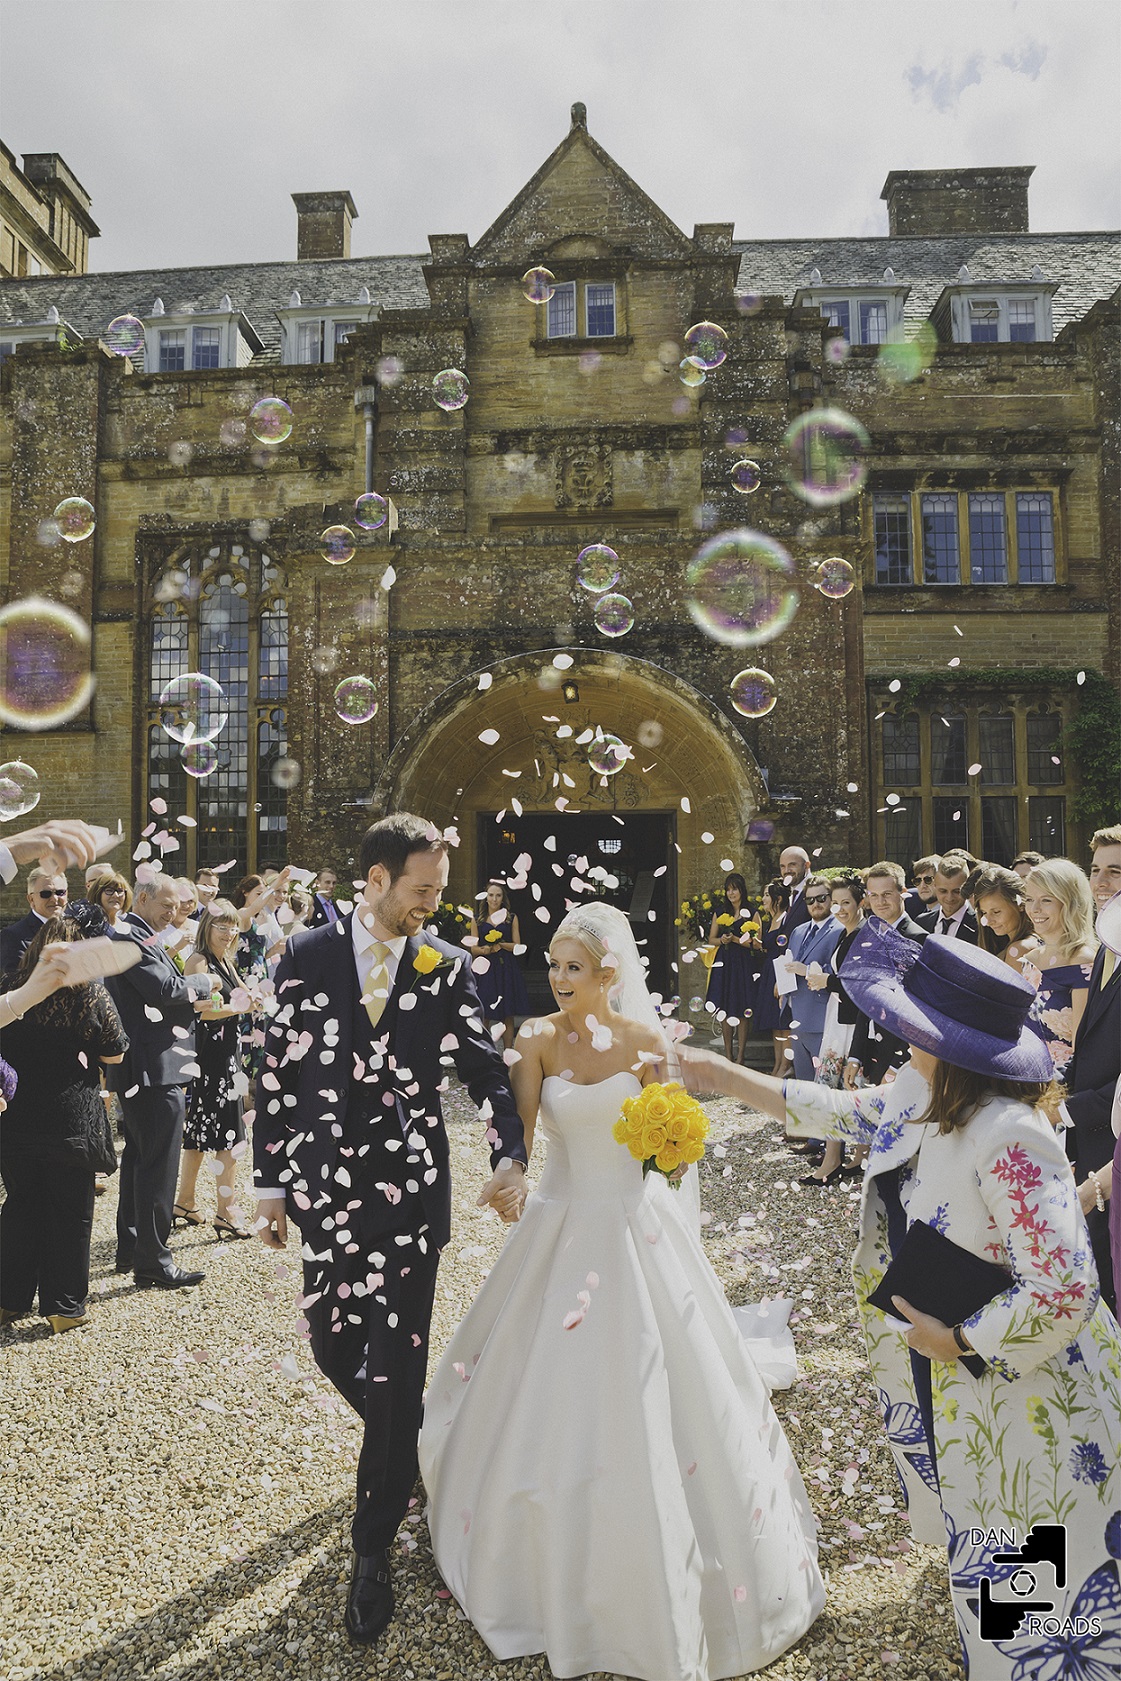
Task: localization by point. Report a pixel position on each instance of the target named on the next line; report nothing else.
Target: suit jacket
(319, 917)
(310, 1070)
(966, 929)
(1091, 1073)
(915, 906)
(15, 939)
(798, 913)
(811, 942)
(157, 1055)
(872, 1046)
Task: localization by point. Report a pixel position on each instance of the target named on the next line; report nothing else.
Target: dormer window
(860, 315)
(312, 334)
(593, 302)
(978, 313)
(178, 341)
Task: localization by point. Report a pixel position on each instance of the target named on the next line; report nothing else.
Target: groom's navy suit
(349, 1126)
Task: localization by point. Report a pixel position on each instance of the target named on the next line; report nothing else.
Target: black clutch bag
(939, 1277)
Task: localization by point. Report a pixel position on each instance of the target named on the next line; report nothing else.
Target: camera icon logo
(1045, 1543)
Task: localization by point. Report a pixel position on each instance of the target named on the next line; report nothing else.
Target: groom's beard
(392, 915)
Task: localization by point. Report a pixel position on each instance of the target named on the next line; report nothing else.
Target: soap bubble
(356, 700)
(691, 371)
(614, 615)
(608, 754)
(193, 708)
(749, 303)
(231, 433)
(706, 344)
(451, 389)
(835, 578)
(825, 451)
(259, 530)
(270, 420)
(200, 758)
(753, 692)
(124, 336)
(760, 829)
(836, 351)
(741, 589)
(180, 452)
(388, 371)
(45, 676)
(371, 511)
(19, 789)
(324, 660)
(746, 477)
(47, 534)
(649, 733)
(589, 361)
(75, 519)
(337, 543)
(904, 359)
(597, 567)
(285, 773)
(696, 1004)
(538, 285)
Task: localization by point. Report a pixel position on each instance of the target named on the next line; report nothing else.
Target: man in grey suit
(813, 943)
(157, 1005)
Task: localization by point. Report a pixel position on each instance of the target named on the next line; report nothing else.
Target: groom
(349, 1138)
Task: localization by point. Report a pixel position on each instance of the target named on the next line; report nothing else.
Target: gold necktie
(376, 994)
(1109, 964)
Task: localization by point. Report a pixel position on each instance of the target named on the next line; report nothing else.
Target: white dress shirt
(951, 932)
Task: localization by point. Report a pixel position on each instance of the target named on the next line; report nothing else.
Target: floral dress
(1037, 1438)
(214, 1119)
(1052, 1012)
(252, 946)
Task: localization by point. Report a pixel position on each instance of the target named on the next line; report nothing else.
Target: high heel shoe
(8, 1316)
(60, 1322)
(226, 1229)
(181, 1216)
(820, 1184)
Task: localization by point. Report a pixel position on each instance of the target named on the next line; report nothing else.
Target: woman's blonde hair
(1067, 884)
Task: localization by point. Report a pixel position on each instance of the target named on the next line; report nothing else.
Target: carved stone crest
(583, 476)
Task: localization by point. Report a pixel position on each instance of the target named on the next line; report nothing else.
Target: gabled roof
(580, 189)
(1084, 266)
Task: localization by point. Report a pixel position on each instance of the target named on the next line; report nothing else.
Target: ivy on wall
(1092, 739)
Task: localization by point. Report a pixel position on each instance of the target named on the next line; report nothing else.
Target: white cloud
(945, 86)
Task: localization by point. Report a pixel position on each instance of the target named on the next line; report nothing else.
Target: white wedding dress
(608, 1483)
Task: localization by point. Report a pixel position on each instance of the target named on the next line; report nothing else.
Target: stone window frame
(261, 843)
(971, 794)
(1010, 495)
(581, 274)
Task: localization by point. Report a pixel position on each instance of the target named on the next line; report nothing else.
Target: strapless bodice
(576, 1120)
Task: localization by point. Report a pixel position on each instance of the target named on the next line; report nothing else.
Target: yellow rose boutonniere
(663, 1128)
(427, 959)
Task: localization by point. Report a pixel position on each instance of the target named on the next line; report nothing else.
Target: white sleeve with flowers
(1039, 1233)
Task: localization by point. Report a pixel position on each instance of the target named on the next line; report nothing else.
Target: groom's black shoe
(369, 1604)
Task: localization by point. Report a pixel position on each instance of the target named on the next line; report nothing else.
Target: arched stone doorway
(664, 823)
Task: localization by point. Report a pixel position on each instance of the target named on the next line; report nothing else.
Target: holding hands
(505, 1191)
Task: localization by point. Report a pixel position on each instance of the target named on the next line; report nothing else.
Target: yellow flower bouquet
(663, 1128)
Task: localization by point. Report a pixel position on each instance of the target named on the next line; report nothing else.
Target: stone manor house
(984, 540)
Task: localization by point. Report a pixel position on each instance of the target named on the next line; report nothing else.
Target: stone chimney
(932, 202)
(323, 224)
(71, 225)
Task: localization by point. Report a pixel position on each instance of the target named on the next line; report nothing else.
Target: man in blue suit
(157, 1005)
(349, 1141)
(811, 946)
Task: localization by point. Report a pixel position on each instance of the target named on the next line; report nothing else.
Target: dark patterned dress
(732, 983)
(500, 986)
(252, 966)
(214, 1118)
(1052, 1011)
(767, 1018)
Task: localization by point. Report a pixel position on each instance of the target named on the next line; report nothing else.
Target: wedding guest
(323, 899)
(810, 947)
(179, 937)
(1058, 901)
(772, 944)
(953, 920)
(922, 898)
(301, 905)
(731, 980)
(46, 898)
(794, 868)
(111, 894)
(1091, 1074)
(874, 1051)
(214, 1120)
(261, 941)
(91, 919)
(54, 1139)
(1024, 863)
(206, 885)
(157, 1006)
(1004, 926)
(841, 1016)
(495, 938)
(960, 1142)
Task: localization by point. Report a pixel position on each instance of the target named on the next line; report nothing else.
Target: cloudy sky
(191, 121)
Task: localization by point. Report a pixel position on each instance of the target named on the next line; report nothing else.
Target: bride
(608, 1483)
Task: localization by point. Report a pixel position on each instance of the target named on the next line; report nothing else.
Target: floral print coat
(1037, 1438)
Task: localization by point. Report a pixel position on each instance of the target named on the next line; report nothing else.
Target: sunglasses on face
(924, 881)
(52, 892)
(817, 898)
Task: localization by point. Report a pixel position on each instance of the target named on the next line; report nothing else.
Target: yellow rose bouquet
(663, 1128)
(725, 919)
(492, 936)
